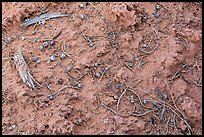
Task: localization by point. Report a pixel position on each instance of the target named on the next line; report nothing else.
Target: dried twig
(172, 109)
(174, 99)
(149, 52)
(68, 55)
(121, 97)
(129, 114)
(181, 37)
(139, 99)
(196, 83)
(48, 86)
(58, 92)
(107, 68)
(169, 12)
(141, 28)
(145, 113)
(113, 110)
(23, 70)
(45, 16)
(129, 67)
(141, 63)
(167, 127)
(174, 121)
(57, 35)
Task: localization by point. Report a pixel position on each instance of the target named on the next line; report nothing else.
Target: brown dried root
(23, 70)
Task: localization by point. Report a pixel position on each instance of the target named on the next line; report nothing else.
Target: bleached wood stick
(23, 70)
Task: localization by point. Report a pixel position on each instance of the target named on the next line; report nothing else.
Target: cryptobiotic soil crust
(116, 68)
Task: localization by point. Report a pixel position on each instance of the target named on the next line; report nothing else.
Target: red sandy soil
(169, 76)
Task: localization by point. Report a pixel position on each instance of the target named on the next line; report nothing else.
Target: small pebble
(23, 38)
(79, 85)
(34, 40)
(43, 22)
(45, 44)
(155, 104)
(86, 69)
(96, 64)
(53, 58)
(145, 101)
(98, 74)
(9, 39)
(131, 64)
(144, 45)
(165, 96)
(40, 22)
(34, 58)
(60, 81)
(82, 16)
(12, 127)
(158, 132)
(45, 114)
(120, 86)
(27, 19)
(156, 15)
(116, 97)
(81, 5)
(102, 17)
(62, 56)
(51, 97)
(132, 99)
(80, 120)
(41, 48)
(57, 53)
(69, 67)
(157, 7)
(144, 18)
(52, 42)
(38, 61)
(91, 45)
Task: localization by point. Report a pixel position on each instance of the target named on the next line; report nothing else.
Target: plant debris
(44, 17)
